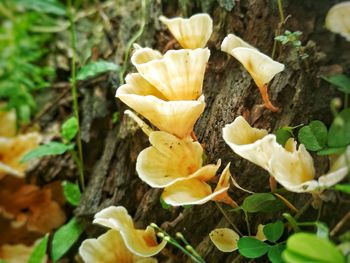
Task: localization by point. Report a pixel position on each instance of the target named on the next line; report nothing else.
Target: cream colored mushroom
(294, 170)
(338, 19)
(291, 167)
(178, 75)
(196, 192)
(171, 159)
(109, 248)
(232, 41)
(255, 145)
(191, 33)
(261, 67)
(225, 239)
(12, 150)
(140, 242)
(175, 117)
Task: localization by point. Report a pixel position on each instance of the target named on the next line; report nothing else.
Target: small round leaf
(273, 231)
(313, 136)
(252, 248)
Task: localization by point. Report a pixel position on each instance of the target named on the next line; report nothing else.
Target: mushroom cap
(13, 149)
(255, 145)
(109, 248)
(232, 41)
(178, 75)
(262, 68)
(191, 33)
(338, 19)
(171, 159)
(225, 239)
(140, 242)
(175, 117)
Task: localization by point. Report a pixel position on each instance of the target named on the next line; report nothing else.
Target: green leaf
(39, 251)
(44, 6)
(164, 205)
(345, 188)
(273, 231)
(95, 68)
(339, 132)
(341, 81)
(70, 129)
(307, 247)
(261, 202)
(313, 136)
(332, 150)
(71, 192)
(250, 247)
(115, 117)
(65, 237)
(275, 253)
(52, 148)
(282, 135)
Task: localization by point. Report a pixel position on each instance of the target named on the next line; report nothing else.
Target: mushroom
(109, 248)
(338, 19)
(191, 33)
(175, 117)
(142, 243)
(171, 159)
(195, 191)
(261, 67)
(178, 74)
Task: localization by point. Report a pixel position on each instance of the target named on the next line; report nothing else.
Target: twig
(74, 91)
(287, 203)
(340, 224)
(228, 219)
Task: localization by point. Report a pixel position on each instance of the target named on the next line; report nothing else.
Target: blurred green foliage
(22, 52)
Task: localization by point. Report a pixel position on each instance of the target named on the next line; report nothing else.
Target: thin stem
(287, 203)
(228, 219)
(278, 30)
(164, 235)
(247, 222)
(132, 41)
(340, 224)
(177, 245)
(280, 10)
(77, 162)
(188, 245)
(303, 209)
(73, 82)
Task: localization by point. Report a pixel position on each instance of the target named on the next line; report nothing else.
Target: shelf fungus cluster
(167, 91)
(292, 167)
(122, 243)
(13, 147)
(261, 67)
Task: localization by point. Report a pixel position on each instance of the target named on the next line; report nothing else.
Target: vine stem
(73, 84)
(278, 30)
(287, 203)
(228, 219)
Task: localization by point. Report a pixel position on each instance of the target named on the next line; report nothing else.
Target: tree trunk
(110, 150)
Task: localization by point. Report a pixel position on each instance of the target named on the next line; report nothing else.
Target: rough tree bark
(110, 150)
